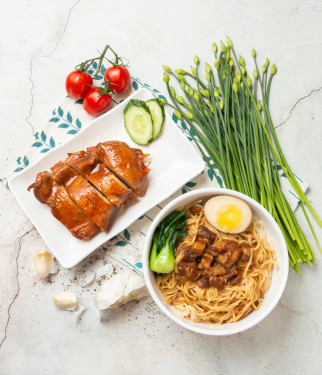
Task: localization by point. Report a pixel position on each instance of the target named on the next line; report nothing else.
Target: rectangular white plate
(174, 161)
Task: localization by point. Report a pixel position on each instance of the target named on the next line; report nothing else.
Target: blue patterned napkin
(68, 119)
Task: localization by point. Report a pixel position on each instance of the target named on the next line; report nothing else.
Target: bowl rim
(283, 266)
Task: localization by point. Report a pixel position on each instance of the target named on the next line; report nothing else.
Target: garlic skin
(119, 289)
(65, 300)
(43, 263)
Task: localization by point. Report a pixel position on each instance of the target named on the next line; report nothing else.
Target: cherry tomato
(96, 104)
(119, 78)
(78, 84)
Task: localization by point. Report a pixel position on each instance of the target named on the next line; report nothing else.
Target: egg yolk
(229, 216)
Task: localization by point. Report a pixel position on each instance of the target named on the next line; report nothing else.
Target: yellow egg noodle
(233, 302)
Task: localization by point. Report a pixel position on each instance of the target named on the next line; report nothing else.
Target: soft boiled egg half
(228, 214)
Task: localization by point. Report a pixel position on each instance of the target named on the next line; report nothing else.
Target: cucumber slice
(138, 121)
(158, 116)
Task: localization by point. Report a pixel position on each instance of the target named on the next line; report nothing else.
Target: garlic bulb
(65, 300)
(43, 263)
(119, 289)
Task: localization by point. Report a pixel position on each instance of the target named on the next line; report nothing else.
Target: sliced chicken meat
(84, 195)
(88, 165)
(47, 191)
(125, 162)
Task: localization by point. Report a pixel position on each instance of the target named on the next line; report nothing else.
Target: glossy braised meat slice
(206, 234)
(47, 191)
(125, 162)
(215, 270)
(231, 255)
(88, 165)
(189, 269)
(84, 195)
(217, 282)
(203, 282)
(245, 249)
(205, 261)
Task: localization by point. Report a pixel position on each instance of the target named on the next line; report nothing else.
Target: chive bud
(189, 115)
(267, 62)
(207, 68)
(196, 96)
(167, 69)
(259, 106)
(190, 91)
(196, 59)
(173, 93)
(241, 61)
(235, 87)
(241, 84)
(221, 103)
(180, 99)
(238, 77)
(264, 68)
(208, 77)
(216, 63)
(190, 106)
(273, 69)
(183, 86)
(180, 71)
(228, 54)
(223, 47)
(216, 93)
(166, 78)
(253, 53)
(214, 47)
(181, 78)
(249, 81)
(204, 93)
(194, 71)
(163, 101)
(231, 62)
(243, 69)
(255, 73)
(228, 41)
(219, 91)
(210, 107)
(178, 115)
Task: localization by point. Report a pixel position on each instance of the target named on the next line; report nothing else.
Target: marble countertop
(41, 42)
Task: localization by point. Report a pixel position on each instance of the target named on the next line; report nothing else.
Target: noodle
(232, 302)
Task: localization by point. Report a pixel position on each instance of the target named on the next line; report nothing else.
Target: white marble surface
(41, 41)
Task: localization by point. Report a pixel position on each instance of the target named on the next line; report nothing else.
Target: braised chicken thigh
(84, 190)
(87, 198)
(125, 162)
(47, 191)
(89, 166)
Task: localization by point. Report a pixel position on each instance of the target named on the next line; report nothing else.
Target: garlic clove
(43, 263)
(65, 300)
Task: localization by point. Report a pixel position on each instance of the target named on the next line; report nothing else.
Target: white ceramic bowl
(279, 277)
